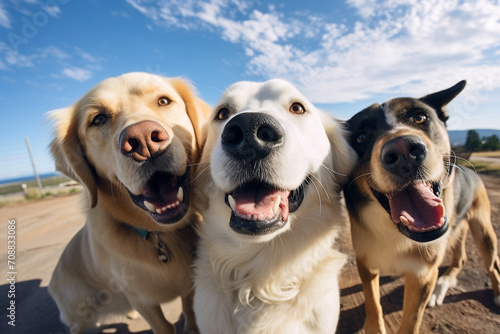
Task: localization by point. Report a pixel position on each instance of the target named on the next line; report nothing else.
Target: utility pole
(34, 167)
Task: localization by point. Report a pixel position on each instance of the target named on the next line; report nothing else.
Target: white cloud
(52, 10)
(137, 6)
(12, 58)
(86, 56)
(122, 14)
(50, 7)
(76, 73)
(53, 53)
(4, 17)
(398, 47)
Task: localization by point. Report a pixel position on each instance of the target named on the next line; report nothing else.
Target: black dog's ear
(440, 99)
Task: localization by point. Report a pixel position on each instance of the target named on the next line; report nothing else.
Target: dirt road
(43, 228)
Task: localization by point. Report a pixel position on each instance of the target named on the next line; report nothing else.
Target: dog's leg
(449, 278)
(418, 290)
(374, 322)
(189, 316)
(154, 317)
(485, 238)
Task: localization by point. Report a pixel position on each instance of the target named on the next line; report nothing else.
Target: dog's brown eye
(419, 118)
(223, 113)
(163, 101)
(297, 108)
(99, 119)
(361, 137)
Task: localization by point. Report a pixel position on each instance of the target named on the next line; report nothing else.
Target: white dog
(267, 261)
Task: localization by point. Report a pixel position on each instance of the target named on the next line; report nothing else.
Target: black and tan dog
(407, 201)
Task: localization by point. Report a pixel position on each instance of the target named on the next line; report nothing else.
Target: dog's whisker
(319, 195)
(329, 169)
(324, 189)
(467, 161)
(199, 174)
(461, 169)
(199, 163)
(349, 185)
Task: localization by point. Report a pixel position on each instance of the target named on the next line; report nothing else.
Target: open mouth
(417, 209)
(259, 209)
(165, 197)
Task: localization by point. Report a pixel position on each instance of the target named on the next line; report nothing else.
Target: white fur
(442, 286)
(285, 282)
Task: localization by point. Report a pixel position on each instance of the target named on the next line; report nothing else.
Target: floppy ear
(197, 110)
(68, 152)
(440, 99)
(343, 155)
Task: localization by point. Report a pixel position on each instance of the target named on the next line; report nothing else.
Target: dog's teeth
(276, 204)
(149, 206)
(444, 211)
(404, 220)
(232, 203)
(180, 194)
(158, 211)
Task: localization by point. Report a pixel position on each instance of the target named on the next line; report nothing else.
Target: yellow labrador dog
(130, 141)
(267, 260)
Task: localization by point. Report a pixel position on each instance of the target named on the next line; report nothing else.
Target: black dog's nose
(252, 136)
(403, 155)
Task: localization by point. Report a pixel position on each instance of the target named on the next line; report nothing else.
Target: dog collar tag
(162, 249)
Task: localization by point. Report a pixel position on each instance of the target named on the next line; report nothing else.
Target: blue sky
(342, 55)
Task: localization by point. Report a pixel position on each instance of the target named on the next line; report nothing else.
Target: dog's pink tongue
(258, 201)
(417, 203)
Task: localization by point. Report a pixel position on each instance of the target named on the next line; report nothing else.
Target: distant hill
(458, 137)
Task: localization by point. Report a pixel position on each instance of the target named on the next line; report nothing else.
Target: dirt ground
(44, 228)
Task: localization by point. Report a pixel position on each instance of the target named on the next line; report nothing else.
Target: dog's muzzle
(258, 206)
(165, 196)
(417, 207)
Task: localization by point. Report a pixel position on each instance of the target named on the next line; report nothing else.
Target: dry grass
(491, 154)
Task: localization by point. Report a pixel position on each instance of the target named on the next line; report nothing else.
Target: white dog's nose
(252, 136)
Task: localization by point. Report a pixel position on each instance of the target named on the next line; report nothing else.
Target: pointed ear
(440, 99)
(68, 152)
(197, 110)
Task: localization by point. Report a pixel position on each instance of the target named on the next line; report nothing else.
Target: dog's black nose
(403, 155)
(252, 136)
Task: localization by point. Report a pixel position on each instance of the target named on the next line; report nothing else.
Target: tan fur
(107, 268)
(380, 247)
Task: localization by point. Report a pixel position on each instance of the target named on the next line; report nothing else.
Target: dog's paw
(133, 315)
(442, 286)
